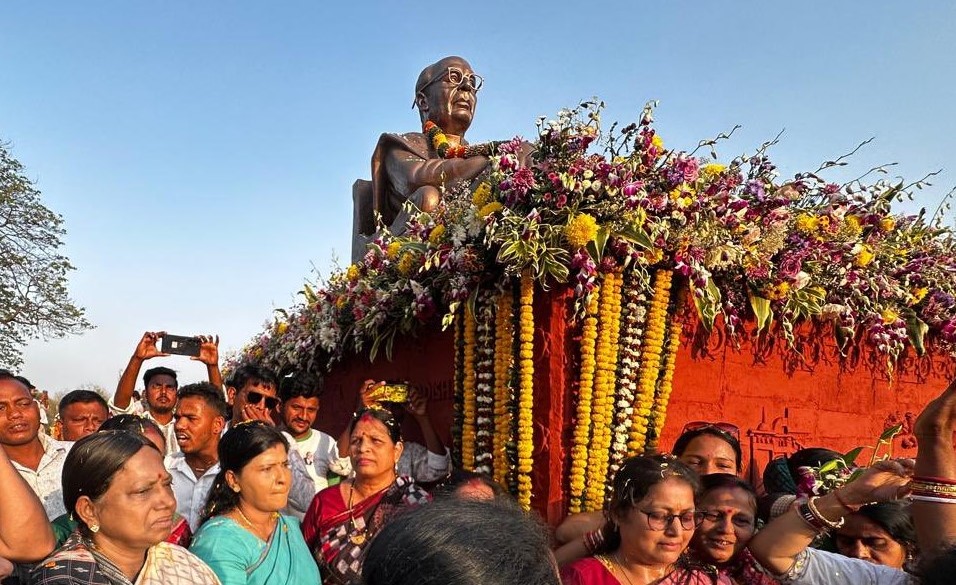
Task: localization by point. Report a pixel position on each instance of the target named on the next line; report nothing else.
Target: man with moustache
(161, 383)
(38, 458)
(319, 451)
(199, 421)
(80, 413)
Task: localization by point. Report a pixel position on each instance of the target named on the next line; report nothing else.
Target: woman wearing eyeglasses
(651, 518)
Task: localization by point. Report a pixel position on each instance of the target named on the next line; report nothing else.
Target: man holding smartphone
(161, 383)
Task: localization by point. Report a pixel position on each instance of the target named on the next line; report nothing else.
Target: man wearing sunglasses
(252, 390)
(407, 167)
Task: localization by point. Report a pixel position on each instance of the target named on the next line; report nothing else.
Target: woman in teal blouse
(242, 536)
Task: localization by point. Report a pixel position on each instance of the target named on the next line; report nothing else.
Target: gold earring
(94, 528)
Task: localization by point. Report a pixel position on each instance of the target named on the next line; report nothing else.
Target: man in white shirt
(38, 458)
(300, 405)
(252, 391)
(199, 420)
(161, 383)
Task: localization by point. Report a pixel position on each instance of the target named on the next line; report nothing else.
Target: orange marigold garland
(633, 318)
(651, 355)
(525, 389)
(663, 394)
(468, 395)
(581, 440)
(504, 359)
(484, 385)
(459, 404)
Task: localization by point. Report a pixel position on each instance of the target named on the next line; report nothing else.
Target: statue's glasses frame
(458, 78)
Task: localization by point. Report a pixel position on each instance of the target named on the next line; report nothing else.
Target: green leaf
(761, 308)
(916, 330)
(891, 432)
(596, 246)
(706, 303)
(850, 457)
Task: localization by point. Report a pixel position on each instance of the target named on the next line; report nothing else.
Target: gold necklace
(256, 529)
(617, 559)
(356, 537)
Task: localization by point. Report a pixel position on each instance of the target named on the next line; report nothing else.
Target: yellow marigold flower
(353, 272)
(682, 192)
(341, 301)
(281, 327)
(658, 142)
(823, 223)
(481, 194)
(889, 316)
(435, 236)
(806, 223)
(864, 257)
(406, 264)
(853, 225)
(654, 256)
(778, 292)
(489, 208)
(712, 170)
(887, 224)
(391, 252)
(582, 229)
(919, 294)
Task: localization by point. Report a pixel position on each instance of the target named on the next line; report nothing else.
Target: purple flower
(790, 267)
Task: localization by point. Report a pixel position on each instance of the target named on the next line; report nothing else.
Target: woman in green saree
(242, 536)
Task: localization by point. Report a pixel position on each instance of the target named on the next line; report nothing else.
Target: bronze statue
(417, 166)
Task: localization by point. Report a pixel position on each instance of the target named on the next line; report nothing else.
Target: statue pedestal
(780, 402)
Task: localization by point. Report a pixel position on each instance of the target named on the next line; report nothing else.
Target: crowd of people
(227, 481)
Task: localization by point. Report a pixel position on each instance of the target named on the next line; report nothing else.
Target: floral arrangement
(634, 230)
(817, 481)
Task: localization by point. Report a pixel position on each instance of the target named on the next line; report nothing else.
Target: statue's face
(452, 99)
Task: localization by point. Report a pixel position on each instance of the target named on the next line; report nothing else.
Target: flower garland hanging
(436, 136)
(663, 394)
(652, 350)
(525, 389)
(484, 387)
(603, 398)
(468, 410)
(581, 440)
(634, 315)
(503, 395)
(459, 404)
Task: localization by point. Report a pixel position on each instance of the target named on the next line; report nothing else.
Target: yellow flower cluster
(806, 223)
(435, 236)
(468, 406)
(391, 252)
(281, 327)
(852, 226)
(651, 354)
(525, 389)
(582, 428)
(352, 273)
(683, 195)
(489, 208)
(889, 316)
(864, 257)
(406, 264)
(663, 395)
(777, 292)
(658, 142)
(602, 411)
(711, 170)
(503, 361)
(918, 294)
(482, 194)
(581, 230)
(887, 224)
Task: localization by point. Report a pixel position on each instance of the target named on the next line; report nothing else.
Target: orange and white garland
(633, 317)
(525, 389)
(663, 394)
(651, 356)
(484, 384)
(581, 440)
(504, 360)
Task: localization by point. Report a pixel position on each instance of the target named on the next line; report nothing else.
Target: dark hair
(94, 461)
(8, 375)
(80, 397)
(895, 519)
(25, 382)
(132, 423)
(381, 415)
(251, 373)
(159, 371)
(240, 445)
(634, 480)
(684, 440)
(462, 543)
(299, 384)
(938, 568)
(209, 394)
(718, 481)
(460, 478)
(809, 457)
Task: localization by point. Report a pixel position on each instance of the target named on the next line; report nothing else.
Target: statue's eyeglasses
(458, 78)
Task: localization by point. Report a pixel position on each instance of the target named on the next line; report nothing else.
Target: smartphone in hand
(180, 345)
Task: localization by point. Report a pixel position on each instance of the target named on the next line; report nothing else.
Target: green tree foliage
(34, 302)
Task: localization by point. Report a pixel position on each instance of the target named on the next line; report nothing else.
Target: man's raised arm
(145, 349)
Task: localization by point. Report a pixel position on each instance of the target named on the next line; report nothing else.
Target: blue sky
(203, 153)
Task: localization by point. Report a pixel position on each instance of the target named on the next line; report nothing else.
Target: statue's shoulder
(415, 142)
